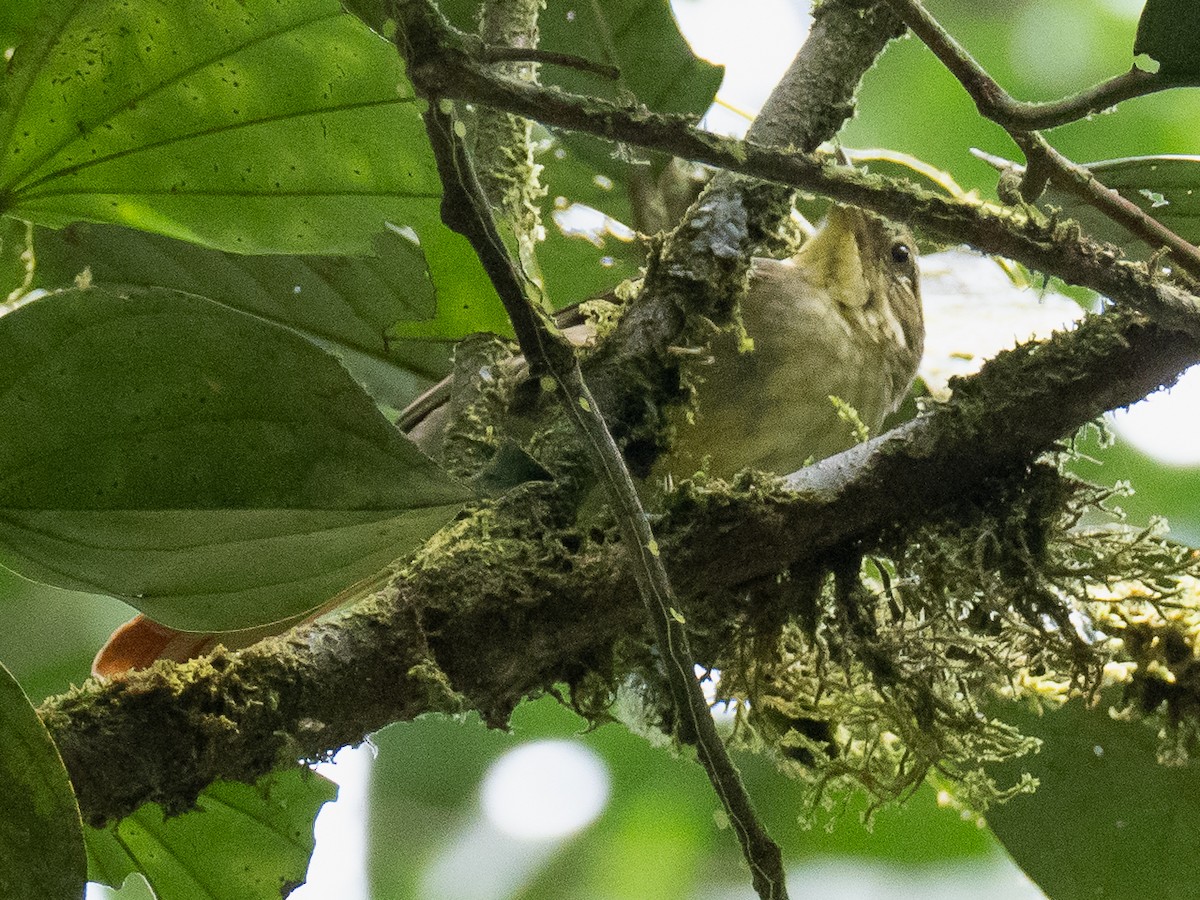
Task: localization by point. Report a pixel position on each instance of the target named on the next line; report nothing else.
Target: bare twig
(534, 55)
(1005, 233)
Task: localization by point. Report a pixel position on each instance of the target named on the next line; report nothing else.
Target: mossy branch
(482, 607)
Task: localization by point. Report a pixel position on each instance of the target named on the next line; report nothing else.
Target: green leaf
(244, 125)
(255, 126)
(16, 17)
(658, 70)
(243, 842)
(134, 887)
(639, 37)
(1165, 187)
(576, 267)
(212, 470)
(41, 835)
(346, 304)
(1107, 820)
(1169, 31)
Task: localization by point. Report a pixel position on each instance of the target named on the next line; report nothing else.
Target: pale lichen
(887, 670)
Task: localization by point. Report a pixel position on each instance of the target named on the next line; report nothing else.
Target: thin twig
(550, 57)
(1001, 107)
(464, 209)
(1045, 163)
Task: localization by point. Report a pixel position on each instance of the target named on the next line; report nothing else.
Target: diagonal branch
(165, 733)
(550, 356)
(1054, 250)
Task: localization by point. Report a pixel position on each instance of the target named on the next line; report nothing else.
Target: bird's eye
(901, 254)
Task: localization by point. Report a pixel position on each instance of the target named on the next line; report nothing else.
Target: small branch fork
(1045, 164)
(1011, 114)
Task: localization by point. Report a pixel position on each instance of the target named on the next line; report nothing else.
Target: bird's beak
(833, 256)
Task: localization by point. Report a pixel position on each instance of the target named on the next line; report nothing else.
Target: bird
(837, 333)
(833, 337)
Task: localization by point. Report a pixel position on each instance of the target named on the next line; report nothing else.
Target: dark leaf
(347, 304)
(1169, 32)
(242, 125)
(41, 836)
(1107, 820)
(212, 470)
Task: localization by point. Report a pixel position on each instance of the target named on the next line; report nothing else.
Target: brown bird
(838, 325)
(839, 321)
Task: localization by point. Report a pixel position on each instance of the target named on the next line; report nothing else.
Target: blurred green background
(656, 834)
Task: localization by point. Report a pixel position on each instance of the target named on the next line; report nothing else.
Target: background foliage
(655, 837)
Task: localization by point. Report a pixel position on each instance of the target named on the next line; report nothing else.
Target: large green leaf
(1107, 820)
(642, 40)
(347, 304)
(41, 836)
(244, 125)
(1165, 187)
(576, 264)
(1169, 32)
(256, 126)
(16, 16)
(212, 470)
(242, 842)
(639, 37)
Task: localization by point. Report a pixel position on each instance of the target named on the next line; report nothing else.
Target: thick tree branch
(550, 355)
(816, 94)
(696, 278)
(483, 608)
(996, 423)
(503, 148)
(465, 208)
